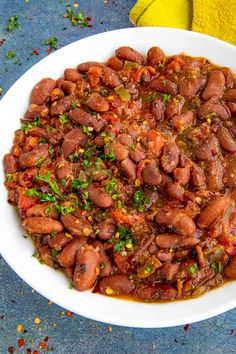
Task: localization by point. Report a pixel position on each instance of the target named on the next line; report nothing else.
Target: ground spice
(110, 328)
(186, 327)
(35, 51)
(19, 327)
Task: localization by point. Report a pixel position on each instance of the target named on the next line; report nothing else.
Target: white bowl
(17, 251)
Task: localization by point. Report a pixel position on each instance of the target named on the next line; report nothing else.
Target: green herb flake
(119, 204)
(77, 19)
(47, 179)
(124, 242)
(51, 150)
(104, 93)
(151, 97)
(192, 269)
(74, 105)
(111, 186)
(86, 163)
(217, 266)
(12, 23)
(62, 181)
(148, 268)
(138, 200)
(27, 126)
(9, 177)
(41, 141)
(35, 254)
(165, 98)
(63, 119)
(87, 130)
(71, 286)
(54, 252)
(10, 55)
(65, 210)
(102, 266)
(52, 42)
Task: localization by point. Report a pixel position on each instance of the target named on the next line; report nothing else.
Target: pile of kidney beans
(124, 175)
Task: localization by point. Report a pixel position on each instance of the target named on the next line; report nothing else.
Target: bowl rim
(84, 311)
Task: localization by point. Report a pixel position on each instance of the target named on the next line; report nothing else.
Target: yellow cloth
(214, 17)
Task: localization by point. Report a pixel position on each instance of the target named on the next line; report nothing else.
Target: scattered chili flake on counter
(21, 342)
(50, 302)
(69, 314)
(12, 23)
(11, 350)
(35, 51)
(43, 345)
(186, 327)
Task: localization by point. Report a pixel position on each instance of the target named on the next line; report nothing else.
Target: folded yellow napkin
(214, 17)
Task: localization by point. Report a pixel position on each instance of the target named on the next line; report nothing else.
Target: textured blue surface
(19, 304)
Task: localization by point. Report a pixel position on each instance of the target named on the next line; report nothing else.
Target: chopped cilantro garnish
(52, 42)
(27, 126)
(217, 266)
(152, 97)
(102, 266)
(33, 192)
(62, 181)
(47, 179)
(10, 55)
(12, 23)
(41, 141)
(165, 98)
(111, 186)
(63, 119)
(51, 150)
(124, 242)
(77, 19)
(104, 93)
(119, 204)
(64, 210)
(9, 177)
(35, 254)
(86, 163)
(54, 252)
(87, 130)
(138, 200)
(76, 184)
(148, 268)
(192, 269)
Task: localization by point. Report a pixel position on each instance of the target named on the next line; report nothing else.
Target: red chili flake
(186, 327)
(11, 350)
(35, 51)
(28, 351)
(43, 345)
(88, 18)
(69, 314)
(46, 339)
(48, 50)
(35, 352)
(2, 41)
(21, 342)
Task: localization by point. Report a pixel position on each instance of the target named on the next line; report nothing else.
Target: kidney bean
(198, 177)
(58, 241)
(115, 63)
(106, 230)
(77, 227)
(174, 106)
(190, 87)
(97, 103)
(130, 168)
(212, 211)
(175, 241)
(183, 121)
(35, 111)
(118, 150)
(116, 284)
(232, 107)
(182, 175)
(229, 78)
(157, 108)
(88, 260)
(89, 64)
(125, 139)
(150, 174)
(38, 132)
(45, 209)
(230, 268)
(64, 169)
(156, 292)
(99, 197)
(42, 225)
(73, 139)
(155, 56)
(137, 154)
(42, 90)
(226, 140)
(105, 266)
(174, 190)
(10, 164)
(68, 87)
(79, 116)
(215, 176)
(208, 149)
(165, 256)
(164, 85)
(30, 158)
(110, 78)
(178, 220)
(61, 106)
(130, 54)
(230, 95)
(213, 107)
(215, 85)
(72, 75)
(67, 256)
(169, 270)
(170, 157)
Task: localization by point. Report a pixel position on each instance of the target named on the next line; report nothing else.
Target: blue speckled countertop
(19, 304)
